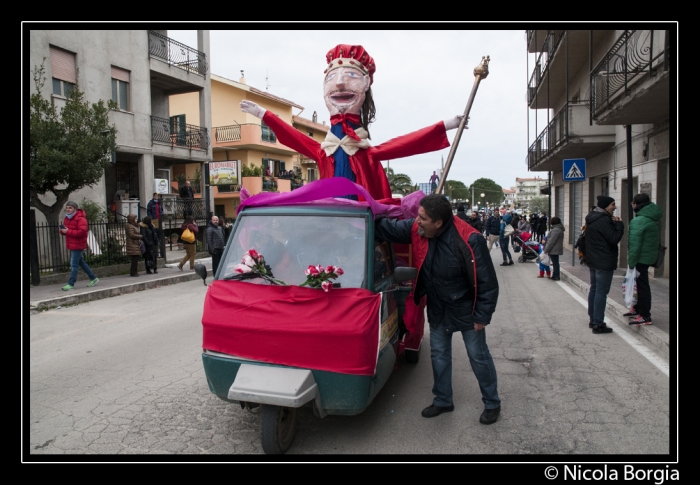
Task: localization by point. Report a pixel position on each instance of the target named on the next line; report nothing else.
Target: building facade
(140, 70)
(241, 141)
(526, 189)
(606, 95)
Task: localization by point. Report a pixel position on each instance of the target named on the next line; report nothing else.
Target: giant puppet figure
(346, 151)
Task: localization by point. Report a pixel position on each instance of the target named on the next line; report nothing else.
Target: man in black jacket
(493, 228)
(456, 273)
(461, 214)
(476, 223)
(215, 242)
(603, 233)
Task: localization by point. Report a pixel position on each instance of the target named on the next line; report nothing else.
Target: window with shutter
(120, 87)
(63, 75)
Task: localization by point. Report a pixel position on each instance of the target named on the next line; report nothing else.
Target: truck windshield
(290, 243)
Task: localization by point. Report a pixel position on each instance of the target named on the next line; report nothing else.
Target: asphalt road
(122, 378)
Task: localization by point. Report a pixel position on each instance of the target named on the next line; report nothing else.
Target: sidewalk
(50, 296)
(577, 276)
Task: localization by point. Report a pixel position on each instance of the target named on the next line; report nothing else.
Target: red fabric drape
(337, 331)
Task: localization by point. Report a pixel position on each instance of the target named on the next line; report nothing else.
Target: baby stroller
(529, 250)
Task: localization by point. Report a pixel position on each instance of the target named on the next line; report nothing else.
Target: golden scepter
(480, 72)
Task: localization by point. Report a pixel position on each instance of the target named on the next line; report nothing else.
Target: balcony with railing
(177, 54)
(630, 85)
(191, 137)
(568, 135)
(249, 136)
(563, 53)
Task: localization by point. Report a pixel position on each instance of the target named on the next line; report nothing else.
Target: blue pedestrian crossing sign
(574, 169)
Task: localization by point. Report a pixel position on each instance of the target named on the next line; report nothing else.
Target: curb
(73, 298)
(658, 339)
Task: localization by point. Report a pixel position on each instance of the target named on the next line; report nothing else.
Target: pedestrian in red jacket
(75, 229)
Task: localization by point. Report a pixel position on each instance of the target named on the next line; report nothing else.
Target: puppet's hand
(252, 108)
(452, 123)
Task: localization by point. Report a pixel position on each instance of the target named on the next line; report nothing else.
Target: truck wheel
(412, 356)
(278, 427)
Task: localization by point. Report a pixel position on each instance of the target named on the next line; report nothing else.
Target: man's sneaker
(67, 287)
(640, 320)
(591, 324)
(93, 282)
(631, 313)
(601, 329)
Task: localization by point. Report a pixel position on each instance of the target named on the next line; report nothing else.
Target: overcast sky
(422, 76)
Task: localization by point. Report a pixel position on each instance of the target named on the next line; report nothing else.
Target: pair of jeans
(215, 260)
(601, 279)
(555, 265)
(504, 242)
(77, 261)
(479, 358)
(643, 305)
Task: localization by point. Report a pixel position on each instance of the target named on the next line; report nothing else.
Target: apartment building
(606, 95)
(526, 189)
(140, 70)
(240, 140)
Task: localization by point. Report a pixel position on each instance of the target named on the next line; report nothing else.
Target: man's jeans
(479, 357)
(601, 279)
(76, 261)
(215, 260)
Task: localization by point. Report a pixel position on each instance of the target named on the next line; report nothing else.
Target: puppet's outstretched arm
(257, 111)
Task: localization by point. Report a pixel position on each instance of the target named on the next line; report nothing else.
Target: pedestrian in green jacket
(642, 250)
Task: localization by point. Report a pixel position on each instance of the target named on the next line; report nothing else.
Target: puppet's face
(344, 90)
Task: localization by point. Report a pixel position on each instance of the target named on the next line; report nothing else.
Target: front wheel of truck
(278, 427)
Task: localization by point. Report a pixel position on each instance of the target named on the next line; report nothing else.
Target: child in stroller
(529, 250)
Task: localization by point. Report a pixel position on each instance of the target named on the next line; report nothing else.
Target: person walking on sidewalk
(456, 273)
(190, 248)
(554, 245)
(133, 238)
(603, 233)
(492, 228)
(75, 230)
(642, 249)
(150, 239)
(504, 240)
(215, 242)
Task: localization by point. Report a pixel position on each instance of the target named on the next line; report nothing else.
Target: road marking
(646, 353)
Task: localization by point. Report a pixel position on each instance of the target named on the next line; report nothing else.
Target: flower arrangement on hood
(253, 263)
(319, 276)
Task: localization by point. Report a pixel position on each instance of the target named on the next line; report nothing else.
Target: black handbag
(660, 257)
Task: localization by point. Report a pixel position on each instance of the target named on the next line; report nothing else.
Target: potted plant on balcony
(197, 182)
(181, 179)
(251, 178)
